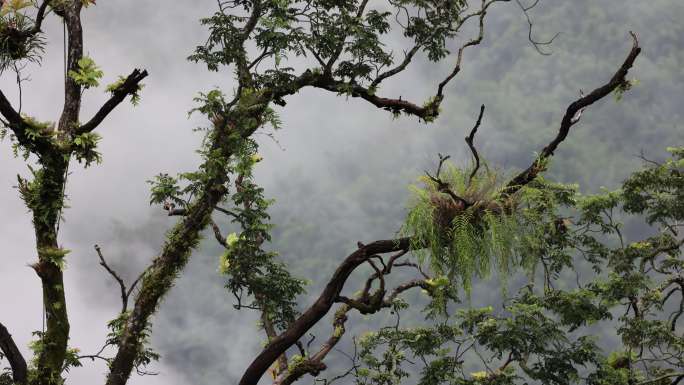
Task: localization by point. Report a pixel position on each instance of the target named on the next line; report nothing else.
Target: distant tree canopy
(463, 223)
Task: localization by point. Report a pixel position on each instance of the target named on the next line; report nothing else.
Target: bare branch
(13, 355)
(536, 44)
(97, 355)
(227, 212)
(473, 42)
(10, 114)
(469, 139)
(270, 330)
(177, 212)
(12, 117)
(124, 292)
(443, 186)
(365, 304)
(403, 287)
(13, 120)
(314, 365)
(571, 117)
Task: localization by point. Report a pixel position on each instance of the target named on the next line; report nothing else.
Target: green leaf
(88, 73)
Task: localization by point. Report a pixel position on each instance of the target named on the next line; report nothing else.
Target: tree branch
(125, 293)
(252, 21)
(129, 87)
(340, 47)
(40, 16)
(394, 105)
(10, 114)
(402, 66)
(428, 111)
(103, 263)
(72, 90)
(180, 240)
(473, 42)
(314, 365)
(365, 304)
(217, 234)
(16, 360)
(571, 117)
(443, 186)
(38, 144)
(319, 308)
(536, 44)
(469, 140)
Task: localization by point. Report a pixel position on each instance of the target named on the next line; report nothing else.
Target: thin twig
(124, 291)
(536, 44)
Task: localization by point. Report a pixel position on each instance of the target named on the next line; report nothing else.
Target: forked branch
(535, 43)
(318, 309)
(125, 292)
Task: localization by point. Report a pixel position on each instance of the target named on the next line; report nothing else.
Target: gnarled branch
(318, 309)
(125, 292)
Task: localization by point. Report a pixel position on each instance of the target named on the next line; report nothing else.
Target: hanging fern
(462, 242)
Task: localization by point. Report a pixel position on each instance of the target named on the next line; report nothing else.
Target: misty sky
(339, 169)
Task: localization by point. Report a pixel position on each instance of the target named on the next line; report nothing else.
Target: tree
(463, 223)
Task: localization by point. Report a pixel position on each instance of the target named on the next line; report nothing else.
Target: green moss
(295, 361)
(54, 256)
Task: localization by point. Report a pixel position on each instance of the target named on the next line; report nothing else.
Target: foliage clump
(465, 226)
(17, 41)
